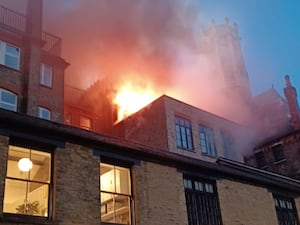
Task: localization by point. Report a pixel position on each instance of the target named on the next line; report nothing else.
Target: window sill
(25, 219)
(279, 161)
(186, 149)
(210, 156)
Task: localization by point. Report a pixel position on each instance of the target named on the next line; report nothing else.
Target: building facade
(31, 68)
(57, 174)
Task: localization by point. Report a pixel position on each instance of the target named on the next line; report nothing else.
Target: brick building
(175, 126)
(51, 173)
(56, 174)
(31, 69)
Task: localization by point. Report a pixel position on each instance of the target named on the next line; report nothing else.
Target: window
(8, 100)
(285, 210)
(46, 75)
(260, 159)
(9, 55)
(228, 145)
(44, 113)
(202, 202)
(27, 182)
(85, 123)
(277, 152)
(207, 141)
(115, 194)
(183, 133)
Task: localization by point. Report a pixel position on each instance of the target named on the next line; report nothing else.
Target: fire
(131, 98)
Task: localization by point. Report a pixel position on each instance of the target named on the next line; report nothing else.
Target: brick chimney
(291, 96)
(33, 55)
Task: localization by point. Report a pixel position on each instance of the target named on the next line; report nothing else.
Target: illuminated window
(207, 141)
(85, 123)
(27, 182)
(44, 113)
(201, 202)
(9, 55)
(46, 75)
(183, 133)
(285, 210)
(115, 194)
(8, 100)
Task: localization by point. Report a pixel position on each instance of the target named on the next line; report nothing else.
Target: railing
(12, 19)
(17, 22)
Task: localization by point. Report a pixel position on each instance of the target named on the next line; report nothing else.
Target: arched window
(8, 100)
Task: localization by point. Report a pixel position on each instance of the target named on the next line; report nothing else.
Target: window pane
(107, 208)
(37, 199)
(122, 181)
(46, 75)
(44, 113)
(41, 166)
(11, 61)
(14, 196)
(14, 168)
(122, 209)
(107, 178)
(8, 100)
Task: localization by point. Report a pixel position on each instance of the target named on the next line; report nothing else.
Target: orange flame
(131, 98)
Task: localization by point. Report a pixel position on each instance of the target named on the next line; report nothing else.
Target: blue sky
(270, 38)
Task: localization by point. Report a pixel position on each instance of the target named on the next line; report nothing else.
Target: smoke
(122, 39)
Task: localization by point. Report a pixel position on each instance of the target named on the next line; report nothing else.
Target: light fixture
(25, 164)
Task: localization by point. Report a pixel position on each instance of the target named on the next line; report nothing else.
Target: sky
(270, 38)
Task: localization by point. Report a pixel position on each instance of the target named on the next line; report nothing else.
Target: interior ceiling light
(25, 164)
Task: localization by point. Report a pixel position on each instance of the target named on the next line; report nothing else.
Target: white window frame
(12, 106)
(4, 54)
(46, 76)
(41, 111)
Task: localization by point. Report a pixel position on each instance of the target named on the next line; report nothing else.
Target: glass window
(8, 100)
(10, 55)
(277, 151)
(228, 145)
(46, 75)
(201, 202)
(115, 194)
(183, 133)
(207, 141)
(44, 113)
(285, 210)
(260, 159)
(27, 182)
(85, 123)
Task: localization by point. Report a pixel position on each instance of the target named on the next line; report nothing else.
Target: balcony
(16, 22)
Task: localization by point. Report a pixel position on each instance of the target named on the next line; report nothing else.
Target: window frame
(285, 209)
(82, 125)
(207, 141)
(43, 75)
(184, 134)
(278, 153)
(4, 53)
(116, 193)
(42, 110)
(200, 194)
(14, 106)
(260, 159)
(32, 218)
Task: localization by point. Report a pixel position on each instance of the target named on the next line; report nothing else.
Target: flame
(131, 98)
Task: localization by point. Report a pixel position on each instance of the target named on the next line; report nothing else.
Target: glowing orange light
(131, 98)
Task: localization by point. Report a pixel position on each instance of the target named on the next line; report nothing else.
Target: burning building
(52, 173)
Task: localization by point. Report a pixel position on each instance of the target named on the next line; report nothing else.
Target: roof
(24, 126)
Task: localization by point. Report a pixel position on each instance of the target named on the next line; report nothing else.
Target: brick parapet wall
(159, 195)
(245, 204)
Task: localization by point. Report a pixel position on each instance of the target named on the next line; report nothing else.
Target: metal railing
(17, 22)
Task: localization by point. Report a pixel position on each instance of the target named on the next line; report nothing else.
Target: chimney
(291, 96)
(33, 55)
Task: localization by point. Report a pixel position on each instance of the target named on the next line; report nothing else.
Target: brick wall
(244, 204)
(159, 195)
(3, 158)
(77, 186)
